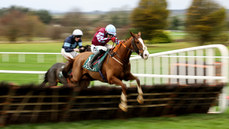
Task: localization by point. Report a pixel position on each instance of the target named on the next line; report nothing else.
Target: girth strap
(101, 74)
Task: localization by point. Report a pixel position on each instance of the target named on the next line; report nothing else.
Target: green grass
(193, 121)
(154, 48)
(30, 64)
(177, 35)
(30, 47)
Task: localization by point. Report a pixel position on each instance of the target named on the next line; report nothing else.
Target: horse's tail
(68, 67)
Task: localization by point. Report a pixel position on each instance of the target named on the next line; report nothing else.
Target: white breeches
(68, 54)
(95, 49)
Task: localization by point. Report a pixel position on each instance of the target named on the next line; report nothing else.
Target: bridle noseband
(136, 49)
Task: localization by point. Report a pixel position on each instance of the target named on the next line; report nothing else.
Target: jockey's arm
(67, 47)
(115, 40)
(80, 44)
(100, 37)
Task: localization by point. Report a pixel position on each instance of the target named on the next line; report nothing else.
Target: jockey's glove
(113, 39)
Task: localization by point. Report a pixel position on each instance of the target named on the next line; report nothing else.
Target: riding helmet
(110, 29)
(77, 32)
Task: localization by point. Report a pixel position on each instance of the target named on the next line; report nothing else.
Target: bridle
(135, 49)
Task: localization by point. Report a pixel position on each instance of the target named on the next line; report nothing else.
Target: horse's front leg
(123, 104)
(140, 98)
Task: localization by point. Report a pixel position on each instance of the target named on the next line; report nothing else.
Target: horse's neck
(125, 52)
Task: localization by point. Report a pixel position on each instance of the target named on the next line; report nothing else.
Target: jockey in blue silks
(70, 43)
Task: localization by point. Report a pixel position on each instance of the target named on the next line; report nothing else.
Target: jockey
(70, 43)
(100, 40)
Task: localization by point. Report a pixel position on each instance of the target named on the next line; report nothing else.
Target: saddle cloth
(98, 62)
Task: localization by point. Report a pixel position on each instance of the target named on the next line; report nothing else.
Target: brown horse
(116, 67)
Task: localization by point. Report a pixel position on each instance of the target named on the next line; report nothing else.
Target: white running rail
(203, 64)
(197, 65)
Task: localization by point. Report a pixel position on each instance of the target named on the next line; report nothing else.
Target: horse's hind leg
(84, 83)
(52, 80)
(52, 83)
(63, 80)
(43, 83)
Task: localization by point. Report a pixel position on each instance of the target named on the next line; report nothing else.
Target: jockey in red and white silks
(100, 40)
(102, 37)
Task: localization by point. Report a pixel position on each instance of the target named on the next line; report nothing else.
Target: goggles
(78, 36)
(110, 34)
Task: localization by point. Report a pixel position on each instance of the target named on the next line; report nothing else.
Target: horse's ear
(139, 34)
(132, 34)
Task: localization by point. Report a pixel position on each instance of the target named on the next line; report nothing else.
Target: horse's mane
(117, 46)
(128, 39)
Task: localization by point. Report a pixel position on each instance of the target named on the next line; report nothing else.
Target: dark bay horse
(116, 67)
(54, 74)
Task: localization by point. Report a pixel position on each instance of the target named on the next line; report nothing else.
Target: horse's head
(139, 46)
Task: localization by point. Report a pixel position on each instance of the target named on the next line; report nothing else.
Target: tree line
(205, 21)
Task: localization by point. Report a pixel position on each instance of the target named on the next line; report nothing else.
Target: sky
(93, 5)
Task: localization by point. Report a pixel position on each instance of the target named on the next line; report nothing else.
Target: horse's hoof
(140, 99)
(123, 107)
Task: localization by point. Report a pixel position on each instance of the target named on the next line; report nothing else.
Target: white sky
(93, 5)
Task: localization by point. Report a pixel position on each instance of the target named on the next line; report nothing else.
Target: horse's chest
(122, 74)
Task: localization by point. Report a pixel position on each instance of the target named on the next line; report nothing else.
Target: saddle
(97, 64)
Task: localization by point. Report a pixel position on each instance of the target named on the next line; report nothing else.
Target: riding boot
(97, 54)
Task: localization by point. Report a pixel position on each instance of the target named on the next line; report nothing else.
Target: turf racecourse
(194, 121)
